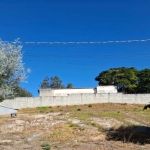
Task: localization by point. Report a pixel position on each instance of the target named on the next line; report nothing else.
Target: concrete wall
(65, 92)
(106, 89)
(76, 99)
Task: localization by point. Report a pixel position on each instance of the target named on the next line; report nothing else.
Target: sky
(76, 21)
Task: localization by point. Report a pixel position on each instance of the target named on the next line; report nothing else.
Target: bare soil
(85, 127)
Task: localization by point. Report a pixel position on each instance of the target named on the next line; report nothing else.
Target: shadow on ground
(134, 134)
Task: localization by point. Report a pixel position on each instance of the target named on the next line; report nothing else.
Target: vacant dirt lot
(87, 127)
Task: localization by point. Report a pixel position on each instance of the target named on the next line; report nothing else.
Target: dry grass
(81, 126)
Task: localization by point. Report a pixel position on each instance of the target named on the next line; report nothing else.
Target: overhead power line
(61, 43)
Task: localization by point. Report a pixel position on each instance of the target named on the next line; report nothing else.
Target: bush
(45, 146)
(90, 105)
(78, 109)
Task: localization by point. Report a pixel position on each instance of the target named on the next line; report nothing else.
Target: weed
(89, 105)
(42, 109)
(72, 125)
(74, 106)
(93, 124)
(45, 146)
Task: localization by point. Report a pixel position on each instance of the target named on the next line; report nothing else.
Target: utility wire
(61, 43)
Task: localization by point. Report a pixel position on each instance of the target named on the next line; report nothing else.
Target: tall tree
(53, 82)
(124, 78)
(11, 68)
(144, 81)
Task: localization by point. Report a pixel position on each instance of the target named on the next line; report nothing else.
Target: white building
(65, 92)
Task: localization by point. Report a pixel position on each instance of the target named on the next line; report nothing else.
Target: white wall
(76, 99)
(106, 89)
(65, 92)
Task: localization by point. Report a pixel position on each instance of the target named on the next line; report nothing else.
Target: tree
(56, 83)
(124, 78)
(53, 82)
(69, 86)
(144, 81)
(11, 68)
(21, 92)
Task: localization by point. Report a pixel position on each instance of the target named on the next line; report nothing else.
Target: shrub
(90, 105)
(45, 146)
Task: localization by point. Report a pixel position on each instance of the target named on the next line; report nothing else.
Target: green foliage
(73, 125)
(90, 105)
(54, 83)
(144, 81)
(21, 92)
(42, 109)
(126, 79)
(45, 146)
(69, 86)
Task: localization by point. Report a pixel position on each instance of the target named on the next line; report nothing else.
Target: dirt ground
(87, 127)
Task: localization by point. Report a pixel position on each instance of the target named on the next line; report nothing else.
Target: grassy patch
(43, 109)
(45, 146)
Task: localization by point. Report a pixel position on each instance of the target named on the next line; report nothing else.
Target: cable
(64, 43)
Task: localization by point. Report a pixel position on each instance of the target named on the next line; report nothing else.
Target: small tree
(69, 86)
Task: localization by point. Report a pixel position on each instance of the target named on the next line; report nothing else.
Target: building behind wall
(65, 92)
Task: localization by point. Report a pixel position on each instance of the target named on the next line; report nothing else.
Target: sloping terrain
(90, 127)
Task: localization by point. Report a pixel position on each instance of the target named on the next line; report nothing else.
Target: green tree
(144, 81)
(21, 92)
(53, 82)
(69, 86)
(124, 78)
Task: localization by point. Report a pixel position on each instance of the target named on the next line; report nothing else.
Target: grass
(89, 127)
(45, 146)
(84, 112)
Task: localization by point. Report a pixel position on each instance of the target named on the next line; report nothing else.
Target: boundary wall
(76, 99)
(65, 92)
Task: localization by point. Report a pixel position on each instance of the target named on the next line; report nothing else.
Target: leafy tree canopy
(21, 92)
(54, 83)
(144, 81)
(126, 79)
(69, 86)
